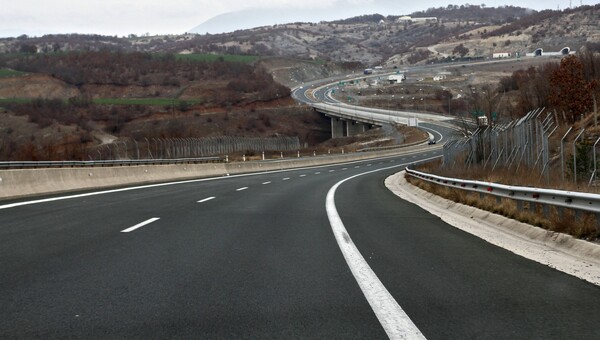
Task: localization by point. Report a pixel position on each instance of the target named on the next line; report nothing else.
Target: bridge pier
(337, 128)
(354, 128)
(346, 128)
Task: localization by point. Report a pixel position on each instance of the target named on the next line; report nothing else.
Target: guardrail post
(561, 212)
(519, 205)
(578, 214)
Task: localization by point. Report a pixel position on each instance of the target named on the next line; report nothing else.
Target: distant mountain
(256, 17)
(370, 39)
(252, 18)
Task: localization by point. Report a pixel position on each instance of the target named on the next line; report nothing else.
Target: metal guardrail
(558, 198)
(106, 163)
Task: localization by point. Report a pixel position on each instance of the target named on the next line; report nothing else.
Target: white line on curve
(157, 185)
(241, 189)
(265, 183)
(396, 323)
(206, 199)
(139, 225)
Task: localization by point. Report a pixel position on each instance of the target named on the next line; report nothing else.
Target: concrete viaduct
(348, 120)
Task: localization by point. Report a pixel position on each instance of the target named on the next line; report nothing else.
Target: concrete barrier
(35, 182)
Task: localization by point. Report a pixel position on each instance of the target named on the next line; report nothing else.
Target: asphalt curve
(255, 257)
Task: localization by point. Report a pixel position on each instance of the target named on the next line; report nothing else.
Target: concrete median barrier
(35, 182)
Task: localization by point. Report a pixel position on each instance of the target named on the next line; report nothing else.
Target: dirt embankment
(35, 86)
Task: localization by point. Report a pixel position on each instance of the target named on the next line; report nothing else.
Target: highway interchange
(262, 256)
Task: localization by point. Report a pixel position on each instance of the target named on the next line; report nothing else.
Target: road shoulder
(562, 252)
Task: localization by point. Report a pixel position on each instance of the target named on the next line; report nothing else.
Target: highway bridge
(318, 252)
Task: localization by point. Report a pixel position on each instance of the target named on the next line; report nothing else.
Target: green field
(118, 101)
(15, 100)
(10, 73)
(142, 101)
(246, 59)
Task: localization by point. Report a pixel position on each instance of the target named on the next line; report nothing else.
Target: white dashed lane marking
(241, 189)
(206, 199)
(139, 225)
(265, 183)
(286, 179)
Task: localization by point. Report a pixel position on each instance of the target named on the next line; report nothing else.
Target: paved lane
(454, 285)
(220, 262)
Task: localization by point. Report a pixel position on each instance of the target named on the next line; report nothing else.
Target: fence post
(594, 173)
(575, 156)
(562, 151)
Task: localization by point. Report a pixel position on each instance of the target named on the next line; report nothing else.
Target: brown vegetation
(580, 226)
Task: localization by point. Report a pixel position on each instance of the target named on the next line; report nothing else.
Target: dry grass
(569, 222)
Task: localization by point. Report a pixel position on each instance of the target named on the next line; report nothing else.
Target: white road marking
(302, 175)
(396, 323)
(139, 225)
(356, 167)
(344, 169)
(286, 179)
(331, 170)
(241, 189)
(369, 164)
(157, 185)
(206, 199)
(265, 183)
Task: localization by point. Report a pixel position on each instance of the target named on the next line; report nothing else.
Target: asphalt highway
(255, 256)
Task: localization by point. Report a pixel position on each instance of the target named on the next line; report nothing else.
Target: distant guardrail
(549, 197)
(105, 163)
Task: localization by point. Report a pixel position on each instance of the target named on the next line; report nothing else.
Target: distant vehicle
(431, 141)
(368, 71)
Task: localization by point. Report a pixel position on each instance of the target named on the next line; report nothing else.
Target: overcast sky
(122, 17)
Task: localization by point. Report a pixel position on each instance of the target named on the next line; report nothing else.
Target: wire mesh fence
(526, 143)
(519, 143)
(169, 148)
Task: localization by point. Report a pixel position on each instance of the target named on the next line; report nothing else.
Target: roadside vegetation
(569, 222)
(9, 73)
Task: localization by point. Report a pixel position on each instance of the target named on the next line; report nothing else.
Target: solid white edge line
(139, 225)
(206, 199)
(148, 186)
(396, 323)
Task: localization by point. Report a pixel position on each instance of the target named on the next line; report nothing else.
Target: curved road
(323, 252)
(254, 256)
